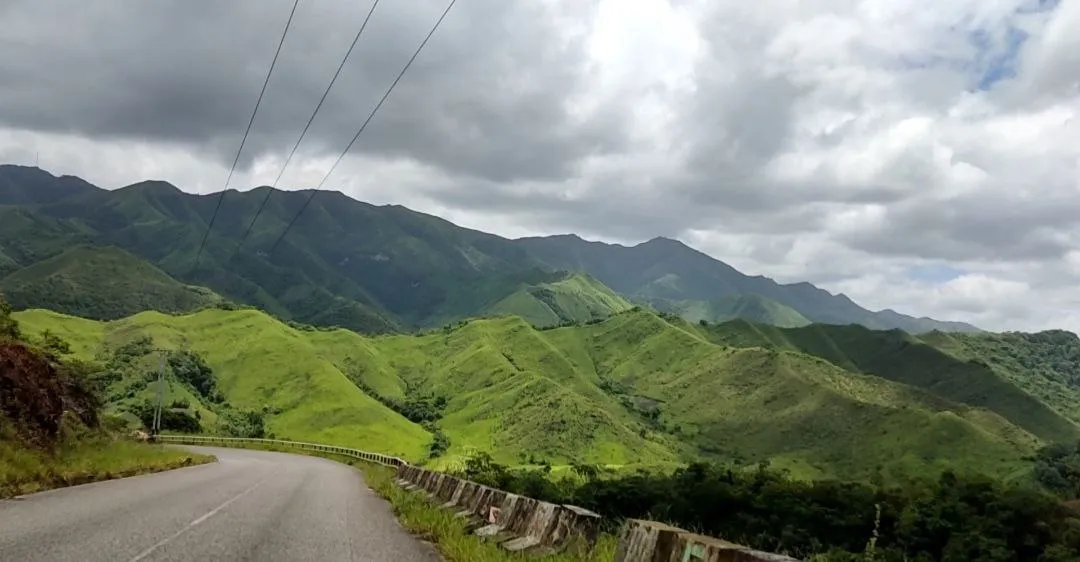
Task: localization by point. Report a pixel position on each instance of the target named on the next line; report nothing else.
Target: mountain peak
(156, 186)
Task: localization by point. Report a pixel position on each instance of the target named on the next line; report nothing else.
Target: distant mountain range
(369, 268)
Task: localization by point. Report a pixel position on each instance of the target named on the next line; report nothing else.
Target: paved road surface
(250, 505)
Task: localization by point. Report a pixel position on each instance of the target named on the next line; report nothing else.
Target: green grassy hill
(101, 282)
(632, 390)
(753, 308)
(260, 364)
(574, 299)
(903, 358)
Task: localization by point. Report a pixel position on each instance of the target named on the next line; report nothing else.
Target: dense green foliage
(1057, 468)
(950, 518)
(101, 282)
(9, 328)
(1045, 364)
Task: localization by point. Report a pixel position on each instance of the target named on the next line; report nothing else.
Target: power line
(311, 119)
(363, 126)
(251, 121)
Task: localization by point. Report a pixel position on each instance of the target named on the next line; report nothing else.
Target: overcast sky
(920, 155)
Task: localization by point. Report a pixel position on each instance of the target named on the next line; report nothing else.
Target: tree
(9, 328)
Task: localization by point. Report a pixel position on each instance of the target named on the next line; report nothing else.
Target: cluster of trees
(417, 407)
(1057, 467)
(952, 518)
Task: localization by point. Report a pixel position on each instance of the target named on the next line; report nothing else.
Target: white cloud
(842, 142)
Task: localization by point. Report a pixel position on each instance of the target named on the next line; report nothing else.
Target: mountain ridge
(378, 268)
(645, 271)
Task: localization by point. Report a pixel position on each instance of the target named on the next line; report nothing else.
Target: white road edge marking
(142, 555)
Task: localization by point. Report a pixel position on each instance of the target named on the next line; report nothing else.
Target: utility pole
(156, 425)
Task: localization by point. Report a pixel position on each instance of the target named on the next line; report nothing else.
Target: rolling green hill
(668, 270)
(380, 269)
(753, 308)
(574, 299)
(903, 358)
(258, 363)
(101, 282)
(632, 390)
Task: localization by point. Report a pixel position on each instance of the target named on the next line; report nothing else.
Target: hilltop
(379, 269)
(634, 389)
(573, 299)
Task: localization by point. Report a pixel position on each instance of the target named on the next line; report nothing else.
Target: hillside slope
(1045, 364)
(753, 308)
(669, 270)
(260, 364)
(634, 389)
(897, 356)
(574, 299)
(105, 283)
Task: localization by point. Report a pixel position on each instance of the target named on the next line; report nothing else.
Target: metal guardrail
(237, 441)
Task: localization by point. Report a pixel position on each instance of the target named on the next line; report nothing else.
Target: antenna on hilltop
(37, 158)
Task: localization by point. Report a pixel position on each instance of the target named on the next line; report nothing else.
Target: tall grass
(90, 458)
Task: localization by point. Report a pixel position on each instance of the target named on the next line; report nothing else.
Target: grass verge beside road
(26, 470)
(431, 522)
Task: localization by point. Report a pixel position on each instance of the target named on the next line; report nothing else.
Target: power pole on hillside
(156, 424)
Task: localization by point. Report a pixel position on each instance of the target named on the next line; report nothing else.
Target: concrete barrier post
(649, 541)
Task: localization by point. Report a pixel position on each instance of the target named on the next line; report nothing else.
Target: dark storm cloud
(491, 96)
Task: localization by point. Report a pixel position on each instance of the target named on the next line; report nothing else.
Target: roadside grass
(422, 517)
(432, 523)
(25, 470)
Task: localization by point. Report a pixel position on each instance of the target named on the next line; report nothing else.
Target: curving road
(250, 505)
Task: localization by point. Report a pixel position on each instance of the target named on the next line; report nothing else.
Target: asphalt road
(250, 505)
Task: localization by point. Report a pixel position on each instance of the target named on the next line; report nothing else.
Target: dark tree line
(952, 518)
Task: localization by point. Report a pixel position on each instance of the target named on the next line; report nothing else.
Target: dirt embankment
(35, 392)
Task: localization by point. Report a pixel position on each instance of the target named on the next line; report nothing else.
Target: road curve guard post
(517, 523)
(649, 541)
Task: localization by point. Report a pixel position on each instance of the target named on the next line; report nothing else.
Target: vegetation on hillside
(259, 364)
(574, 299)
(636, 389)
(52, 432)
(949, 518)
(899, 357)
(1045, 364)
(381, 269)
(752, 308)
(104, 283)
(667, 271)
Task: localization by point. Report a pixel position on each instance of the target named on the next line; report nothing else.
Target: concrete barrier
(649, 541)
(520, 523)
(516, 522)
